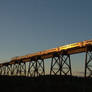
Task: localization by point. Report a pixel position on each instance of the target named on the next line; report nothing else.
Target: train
(53, 50)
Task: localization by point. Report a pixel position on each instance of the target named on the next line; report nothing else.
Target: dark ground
(45, 84)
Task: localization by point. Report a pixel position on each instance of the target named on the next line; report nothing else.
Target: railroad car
(14, 58)
(32, 55)
(49, 51)
(87, 42)
(70, 46)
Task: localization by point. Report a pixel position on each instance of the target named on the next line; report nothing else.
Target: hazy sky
(28, 26)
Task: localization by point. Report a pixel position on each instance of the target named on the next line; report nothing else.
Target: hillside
(45, 84)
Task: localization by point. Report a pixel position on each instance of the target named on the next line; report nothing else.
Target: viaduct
(32, 65)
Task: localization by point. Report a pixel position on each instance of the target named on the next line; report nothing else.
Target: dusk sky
(28, 26)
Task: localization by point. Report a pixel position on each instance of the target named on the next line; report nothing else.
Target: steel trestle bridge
(33, 64)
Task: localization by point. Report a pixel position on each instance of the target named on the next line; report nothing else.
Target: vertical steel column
(15, 69)
(5, 70)
(0, 70)
(31, 68)
(61, 65)
(12, 69)
(9, 70)
(22, 68)
(36, 67)
(25, 70)
(88, 62)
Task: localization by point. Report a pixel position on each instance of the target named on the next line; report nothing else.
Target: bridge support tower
(88, 62)
(36, 67)
(61, 65)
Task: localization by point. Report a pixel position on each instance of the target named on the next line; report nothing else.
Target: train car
(14, 58)
(53, 50)
(87, 42)
(70, 46)
(33, 55)
(1, 65)
(17, 58)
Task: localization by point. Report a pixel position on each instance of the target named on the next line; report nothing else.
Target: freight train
(53, 50)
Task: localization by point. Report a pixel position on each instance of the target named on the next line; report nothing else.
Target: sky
(28, 26)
